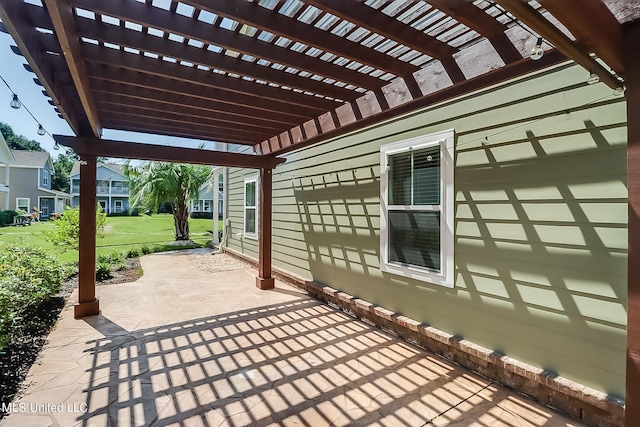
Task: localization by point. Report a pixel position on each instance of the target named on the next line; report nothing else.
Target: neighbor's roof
(36, 159)
(114, 167)
(278, 75)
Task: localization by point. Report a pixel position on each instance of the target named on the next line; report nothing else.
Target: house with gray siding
(498, 218)
(30, 183)
(112, 187)
(6, 158)
(203, 204)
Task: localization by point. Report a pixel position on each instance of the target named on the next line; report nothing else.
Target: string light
(537, 51)
(16, 104)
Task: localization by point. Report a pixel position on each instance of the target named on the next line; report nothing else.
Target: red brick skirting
(583, 403)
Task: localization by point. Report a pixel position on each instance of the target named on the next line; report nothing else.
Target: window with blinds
(250, 207)
(417, 208)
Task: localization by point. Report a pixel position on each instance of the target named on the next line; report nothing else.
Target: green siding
(541, 223)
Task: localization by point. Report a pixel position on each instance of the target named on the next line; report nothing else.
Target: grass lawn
(120, 234)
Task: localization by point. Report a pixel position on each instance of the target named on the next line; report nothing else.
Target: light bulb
(618, 91)
(56, 146)
(15, 102)
(537, 51)
(593, 78)
(40, 130)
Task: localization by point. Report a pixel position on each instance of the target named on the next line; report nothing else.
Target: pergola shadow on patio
(165, 353)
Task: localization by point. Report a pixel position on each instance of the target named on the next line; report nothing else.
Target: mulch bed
(16, 359)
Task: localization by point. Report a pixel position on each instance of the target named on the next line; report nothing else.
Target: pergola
(278, 75)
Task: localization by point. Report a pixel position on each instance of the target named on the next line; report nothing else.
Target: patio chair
(35, 216)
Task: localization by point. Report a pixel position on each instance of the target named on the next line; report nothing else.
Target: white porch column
(214, 208)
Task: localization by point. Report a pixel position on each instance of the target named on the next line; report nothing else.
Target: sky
(21, 82)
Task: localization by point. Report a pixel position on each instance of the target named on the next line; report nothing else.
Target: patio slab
(187, 347)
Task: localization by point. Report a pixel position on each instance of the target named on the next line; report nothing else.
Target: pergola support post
(632, 81)
(265, 204)
(88, 304)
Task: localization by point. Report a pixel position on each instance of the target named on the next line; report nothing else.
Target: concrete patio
(188, 347)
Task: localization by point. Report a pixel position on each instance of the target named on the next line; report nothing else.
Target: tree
(18, 142)
(66, 230)
(154, 183)
(62, 166)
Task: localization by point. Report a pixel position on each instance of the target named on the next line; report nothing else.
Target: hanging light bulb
(537, 51)
(593, 78)
(41, 130)
(56, 146)
(15, 102)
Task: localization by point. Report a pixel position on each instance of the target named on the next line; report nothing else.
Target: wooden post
(87, 304)
(631, 35)
(264, 279)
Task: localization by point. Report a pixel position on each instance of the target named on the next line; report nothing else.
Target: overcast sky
(21, 81)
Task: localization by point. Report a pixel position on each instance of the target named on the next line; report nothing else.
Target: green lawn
(121, 233)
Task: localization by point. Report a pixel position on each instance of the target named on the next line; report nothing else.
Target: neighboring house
(6, 158)
(204, 203)
(499, 218)
(112, 187)
(30, 183)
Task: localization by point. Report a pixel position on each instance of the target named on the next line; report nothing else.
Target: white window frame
(248, 180)
(445, 276)
(206, 205)
(28, 209)
(45, 177)
(116, 208)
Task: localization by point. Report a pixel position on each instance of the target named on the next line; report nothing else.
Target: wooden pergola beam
(63, 23)
(632, 67)
(513, 70)
(148, 15)
(143, 64)
(389, 27)
(264, 19)
(110, 102)
(17, 17)
(113, 74)
(581, 18)
(180, 101)
(132, 150)
(538, 23)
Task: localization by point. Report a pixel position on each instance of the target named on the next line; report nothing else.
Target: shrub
(66, 230)
(133, 253)
(28, 277)
(103, 271)
(145, 250)
(6, 217)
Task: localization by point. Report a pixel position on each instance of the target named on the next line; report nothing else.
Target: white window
(251, 207)
(207, 205)
(23, 203)
(45, 177)
(417, 208)
(118, 206)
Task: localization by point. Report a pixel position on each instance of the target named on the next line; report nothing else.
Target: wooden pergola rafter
(279, 75)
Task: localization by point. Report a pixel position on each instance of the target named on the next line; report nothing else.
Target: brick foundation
(583, 403)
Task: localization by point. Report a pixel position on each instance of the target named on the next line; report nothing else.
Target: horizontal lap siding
(541, 236)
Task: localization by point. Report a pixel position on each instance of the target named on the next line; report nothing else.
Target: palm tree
(154, 183)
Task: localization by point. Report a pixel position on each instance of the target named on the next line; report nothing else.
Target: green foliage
(29, 276)
(133, 253)
(155, 183)
(62, 166)
(146, 250)
(66, 230)
(6, 217)
(18, 142)
(103, 271)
